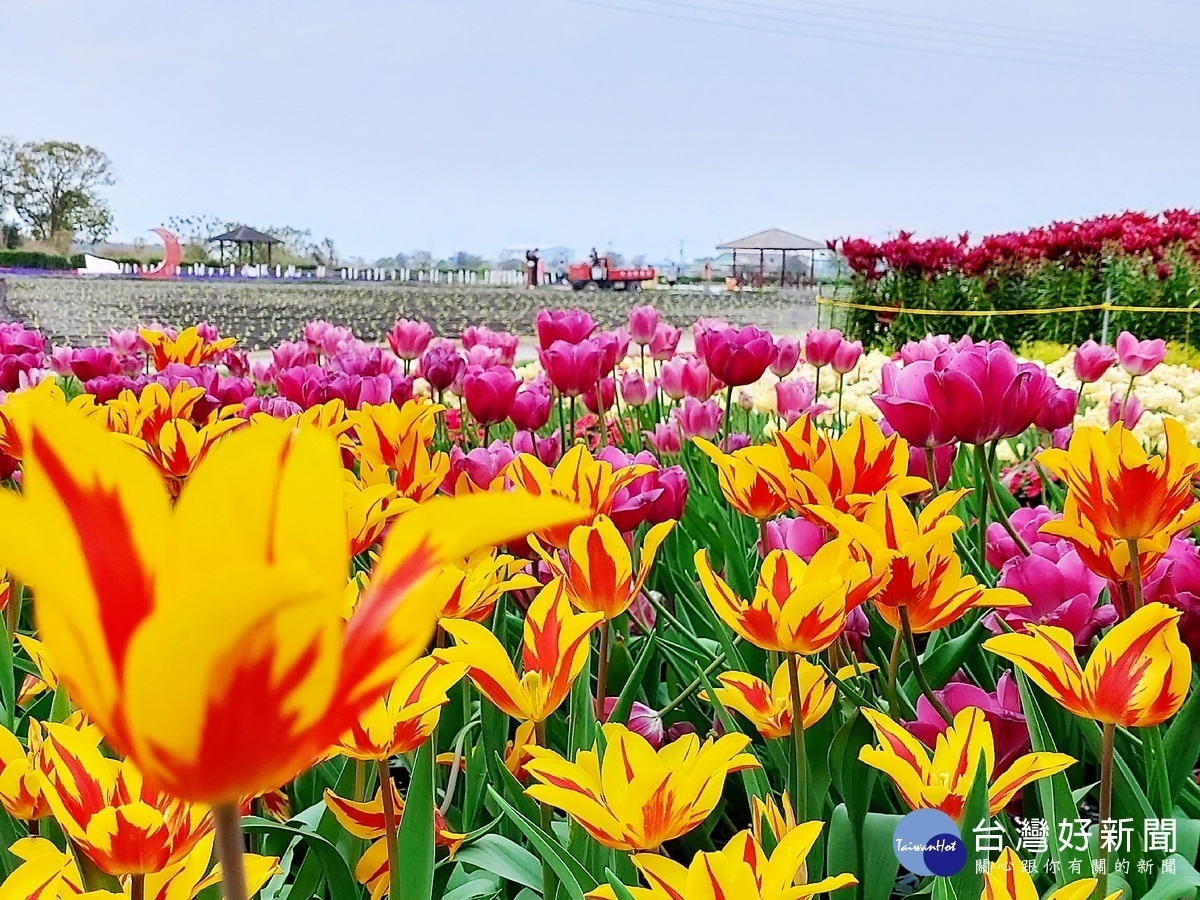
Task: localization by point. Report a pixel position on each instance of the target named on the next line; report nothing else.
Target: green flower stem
(922, 681)
(800, 787)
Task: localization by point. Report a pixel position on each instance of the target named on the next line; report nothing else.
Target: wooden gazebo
(245, 237)
(775, 239)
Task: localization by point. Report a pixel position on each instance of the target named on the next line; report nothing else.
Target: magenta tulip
(800, 536)
(531, 407)
(1027, 522)
(478, 467)
(409, 339)
(643, 322)
(1057, 410)
(1124, 409)
(1061, 591)
(442, 365)
(489, 393)
(735, 357)
(796, 397)
(1092, 360)
(1002, 710)
(698, 419)
(607, 395)
(1139, 357)
(573, 367)
(1175, 581)
(504, 343)
(569, 325)
(614, 347)
(665, 439)
(547, 449)
(642, 720)
(903, 399)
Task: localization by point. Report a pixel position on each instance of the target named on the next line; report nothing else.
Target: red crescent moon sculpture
(169, 267)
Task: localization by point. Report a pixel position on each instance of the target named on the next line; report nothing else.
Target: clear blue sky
(392, 125)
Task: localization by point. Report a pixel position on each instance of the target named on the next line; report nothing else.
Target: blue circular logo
(928, 842)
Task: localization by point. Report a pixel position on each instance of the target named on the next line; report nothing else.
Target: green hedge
(31, 259)
(1121, 280)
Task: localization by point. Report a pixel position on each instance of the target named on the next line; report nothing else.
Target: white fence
(494, 277)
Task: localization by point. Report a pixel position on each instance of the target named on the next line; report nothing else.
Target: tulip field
(392, 615)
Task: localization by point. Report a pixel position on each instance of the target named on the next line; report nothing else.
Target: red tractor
(597, 274)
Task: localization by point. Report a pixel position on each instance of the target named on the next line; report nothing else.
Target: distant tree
(197, 229)
(464, 260)
(8, 161)
(55, 190)
(420, 259)
(326, 254)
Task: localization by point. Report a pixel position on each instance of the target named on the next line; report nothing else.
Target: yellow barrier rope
(976, 313)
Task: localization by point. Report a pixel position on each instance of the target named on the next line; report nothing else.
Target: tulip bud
(643, 323)
(1092, 360)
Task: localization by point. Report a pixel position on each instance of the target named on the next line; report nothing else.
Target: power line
(863, 37)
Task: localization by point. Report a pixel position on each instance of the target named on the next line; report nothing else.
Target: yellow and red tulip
(1123, 491)
(21, 770)
(580, 478)
(516, 751)
(104, 805)
(924, 571)
(398, 439)
(767, 815)
(472, 586)
(847, 471)
(404, 719)
(797, 607)
(274, 674)
(45, 680)
(740, 870)
(637, 798)
(1137, 676)
(754, 479)
(769, 706)
(554, 652)
(943, 780)
(366, 820)
(48, 873)
(370, 509)
(598, 572)
(1107, 556)
(1008, 879)
(188, 347)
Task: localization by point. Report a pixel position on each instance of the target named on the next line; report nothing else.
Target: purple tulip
(1092, 360)
(442, 365)
(479, 466)
(787, 356)
(821, 345)
(1002, 710)
(643, 322)
(1126, 410)
(1139, 357)
(489, 393)
(1027, 522)
(1061, 591)
(734, 441)
(642, 720)
(943, 463)
(547, 449)
(409, 339)
(800, 536)
(568, 325)
(276, 407)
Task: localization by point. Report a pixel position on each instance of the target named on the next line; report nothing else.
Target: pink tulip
(821, 345)
(636, 391)
(903, 399)
(800, 536)
(289, 354)
(485, 357)
(1061, 591)
(1002, 710)
(1139, 357)
(665, 439)
(478, 467)
(643, 322)
(128, 341)
(983, 394)
(1175, 581)
(504, 343)
(642, 720)
(665, 341)
(569, 325)
(734, 441)
(1027, 521)
(796, 397)
(442, 365)
(697, 419)
(846, 357)
(1057, 410)
(614, 347)
(408, 339)
(787, 355)
(1092, 360)
(1126, 410)
(573, 367)
(735, 357)
(686, 376)
(531, 407)
(547, 449)
(489, 393)
(928, 348)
